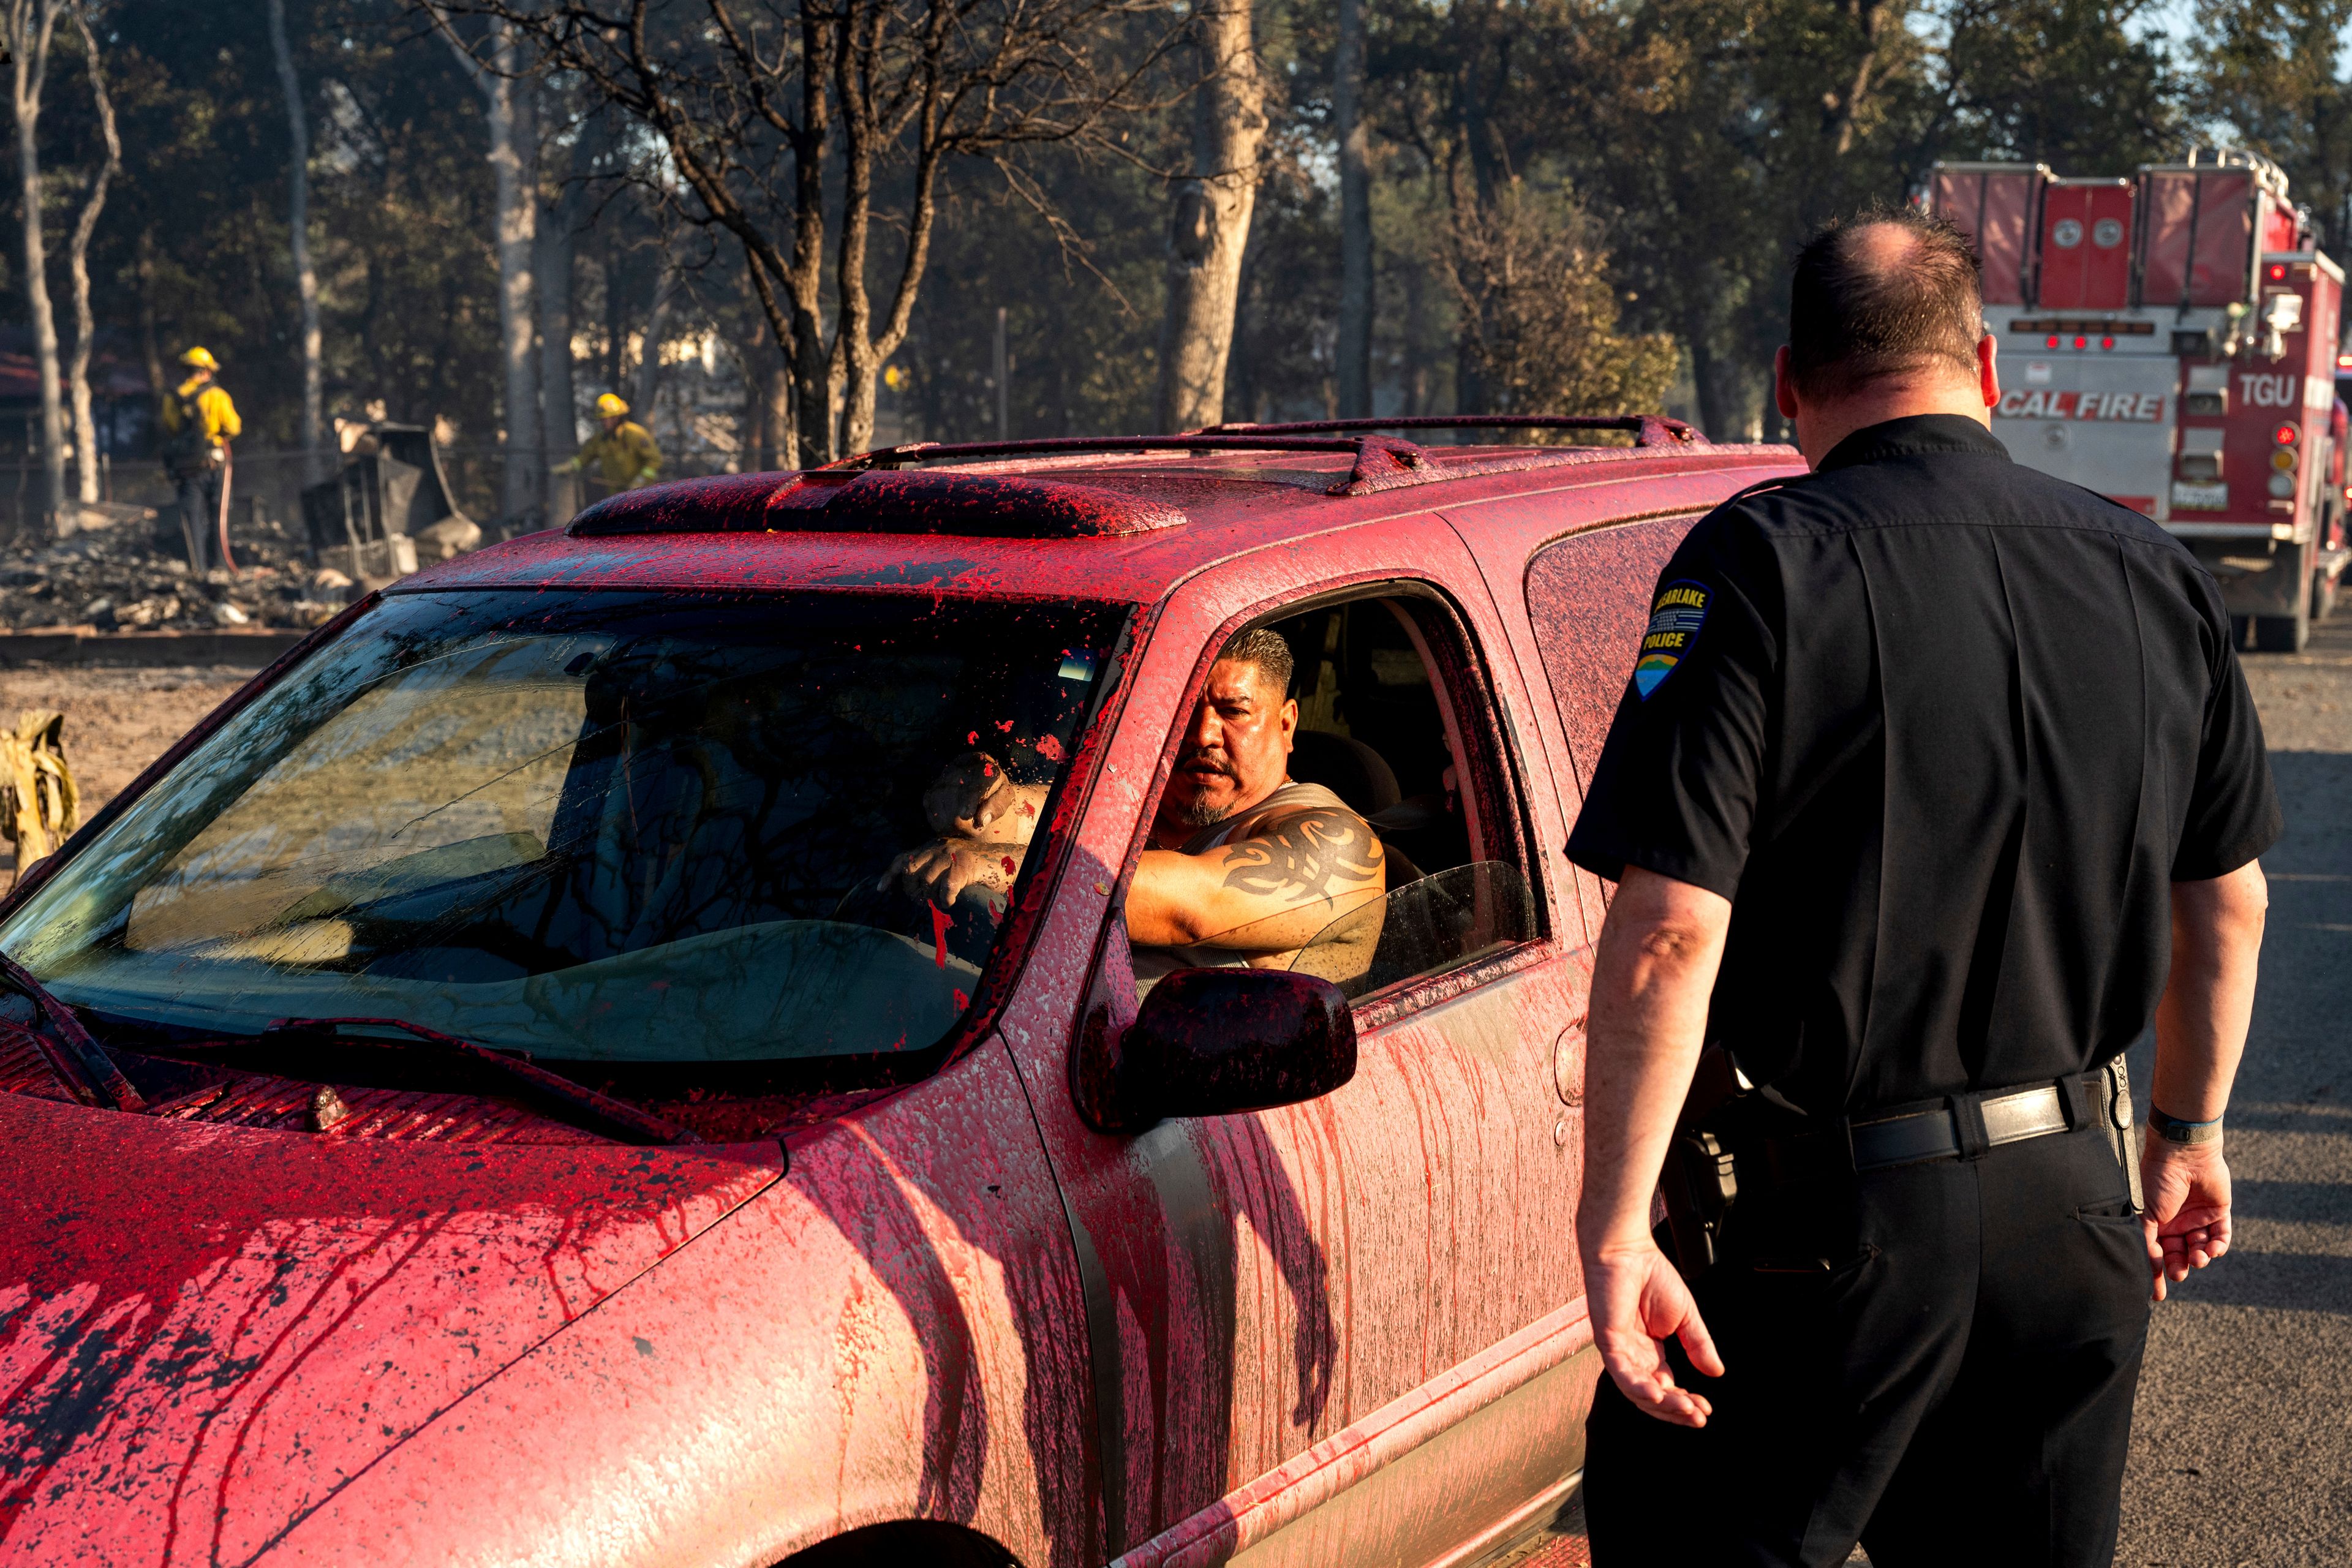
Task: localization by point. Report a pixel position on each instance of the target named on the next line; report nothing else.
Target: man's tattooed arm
(1267, 894)
(1314, 855)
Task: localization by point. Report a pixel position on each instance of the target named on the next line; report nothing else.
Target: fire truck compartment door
(2085, 253)
(2201, 443)
(2103, 421)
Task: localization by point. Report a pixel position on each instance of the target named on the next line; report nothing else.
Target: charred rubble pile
(123, 581)
(387, 512)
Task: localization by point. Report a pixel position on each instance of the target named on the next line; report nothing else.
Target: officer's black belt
(1968, 1124)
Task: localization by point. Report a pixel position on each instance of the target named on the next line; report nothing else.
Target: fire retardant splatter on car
(568, 1066)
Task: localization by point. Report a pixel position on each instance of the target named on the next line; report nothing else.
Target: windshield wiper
(583, 1106)
(80, 1063)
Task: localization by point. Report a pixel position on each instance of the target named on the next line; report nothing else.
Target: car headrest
(1346, 767)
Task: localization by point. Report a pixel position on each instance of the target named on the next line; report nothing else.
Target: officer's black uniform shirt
(1944, 730)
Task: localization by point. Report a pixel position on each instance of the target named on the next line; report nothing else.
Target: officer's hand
(1637, 1301)
(2188, 1217)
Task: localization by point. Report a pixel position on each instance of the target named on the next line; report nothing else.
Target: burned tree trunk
(784, 448)
(558, 408)
(553, 269)
(31, 25)
(85, 426)
(1208, 225)
(641, 396)
(514, 158)
(298, 228)
(1355, 346)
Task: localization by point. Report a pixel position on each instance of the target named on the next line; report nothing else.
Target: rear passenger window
(1589, 599)
(1393, 718)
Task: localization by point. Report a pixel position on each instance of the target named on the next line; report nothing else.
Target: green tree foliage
(1576, 203)
(2269, 72)
(2080, 87)
(1538, 316)
(193, 245)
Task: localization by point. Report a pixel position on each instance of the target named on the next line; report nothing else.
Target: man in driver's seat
(1244, 867)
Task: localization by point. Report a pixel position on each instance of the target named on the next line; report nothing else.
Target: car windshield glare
(597, 827)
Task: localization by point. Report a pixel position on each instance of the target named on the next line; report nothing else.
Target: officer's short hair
(1855, 317)
(1264, 647)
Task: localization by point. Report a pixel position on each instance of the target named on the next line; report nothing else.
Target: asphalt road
(2241, 1444)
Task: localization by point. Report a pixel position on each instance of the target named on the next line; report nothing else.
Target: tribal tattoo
(1317, 854)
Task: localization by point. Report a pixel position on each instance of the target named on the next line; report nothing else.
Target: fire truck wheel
(2283, 634)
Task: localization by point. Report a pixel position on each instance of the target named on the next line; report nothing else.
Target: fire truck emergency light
(2285, 435)
(2283, 459)
(2344, 362)
(2278, 271)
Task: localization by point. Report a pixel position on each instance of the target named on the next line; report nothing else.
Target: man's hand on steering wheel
(942, 871)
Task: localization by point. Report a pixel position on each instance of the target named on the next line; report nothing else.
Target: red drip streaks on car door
(1398, 1220)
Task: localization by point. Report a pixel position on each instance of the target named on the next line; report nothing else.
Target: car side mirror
(1215, 1042)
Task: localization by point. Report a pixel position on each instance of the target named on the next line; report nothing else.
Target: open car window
(1369, 944)
(1439, 923)
(598, 826)
(1379, 681)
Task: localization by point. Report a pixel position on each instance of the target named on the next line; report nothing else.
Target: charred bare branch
(768, 113)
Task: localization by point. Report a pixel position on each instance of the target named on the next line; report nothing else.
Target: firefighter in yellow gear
(624, 452)
(199, 422)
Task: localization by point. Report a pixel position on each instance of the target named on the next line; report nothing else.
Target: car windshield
(596, 827)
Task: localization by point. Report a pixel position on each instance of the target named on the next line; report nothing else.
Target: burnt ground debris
(123, 580)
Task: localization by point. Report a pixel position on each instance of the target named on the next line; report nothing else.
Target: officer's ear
(1988, 373)
(1784, 387)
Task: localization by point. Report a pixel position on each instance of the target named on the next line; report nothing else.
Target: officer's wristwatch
(2172, 1129)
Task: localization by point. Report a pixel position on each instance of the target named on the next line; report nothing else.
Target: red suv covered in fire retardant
(472, 1102)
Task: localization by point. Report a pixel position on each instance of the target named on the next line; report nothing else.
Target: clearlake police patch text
(1675, 617)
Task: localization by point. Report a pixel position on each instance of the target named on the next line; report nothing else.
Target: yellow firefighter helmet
(610, 407)
(200, 359)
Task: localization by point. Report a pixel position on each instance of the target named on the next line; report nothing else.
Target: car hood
(205, 1331)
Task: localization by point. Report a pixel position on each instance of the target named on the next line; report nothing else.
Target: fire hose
(228, 471)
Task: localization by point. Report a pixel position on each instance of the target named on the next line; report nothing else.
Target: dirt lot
(117, 721)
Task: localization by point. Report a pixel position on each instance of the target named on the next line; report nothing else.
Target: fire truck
(2170, 341)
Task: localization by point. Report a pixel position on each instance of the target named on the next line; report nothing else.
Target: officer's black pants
(1956, 1389)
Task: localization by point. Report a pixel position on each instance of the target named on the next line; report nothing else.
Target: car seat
(1357, 775)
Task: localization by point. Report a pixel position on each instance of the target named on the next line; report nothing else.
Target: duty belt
(1703, 1174)
(1968, 1124)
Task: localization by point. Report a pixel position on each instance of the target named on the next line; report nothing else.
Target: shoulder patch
(1675, 618)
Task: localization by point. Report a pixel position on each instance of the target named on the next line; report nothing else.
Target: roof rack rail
(1647, 429)
(1383, 462)
(867, 493)
(1377, 457)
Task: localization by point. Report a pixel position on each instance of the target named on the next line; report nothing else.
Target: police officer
(1935, 779)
